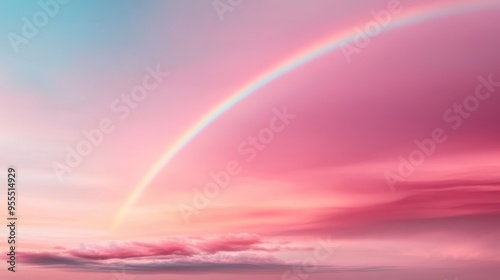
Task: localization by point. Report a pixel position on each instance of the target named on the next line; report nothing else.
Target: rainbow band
(435, 10)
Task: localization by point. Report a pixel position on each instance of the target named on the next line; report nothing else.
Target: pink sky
(317, 188)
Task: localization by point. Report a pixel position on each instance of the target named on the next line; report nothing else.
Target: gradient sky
(319, 183)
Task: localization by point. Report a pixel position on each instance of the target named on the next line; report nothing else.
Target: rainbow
(423, 13)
